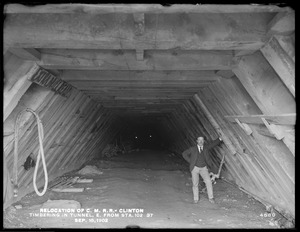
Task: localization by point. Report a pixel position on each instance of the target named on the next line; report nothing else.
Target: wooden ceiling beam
(141, 8)
(82, 59)
(93, 75)
(116, 31)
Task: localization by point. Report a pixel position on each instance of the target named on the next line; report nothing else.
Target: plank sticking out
(281, 119)
(68, 190)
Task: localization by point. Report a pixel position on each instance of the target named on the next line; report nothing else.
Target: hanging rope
(40, 155)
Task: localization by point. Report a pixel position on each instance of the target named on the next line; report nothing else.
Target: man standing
(198, 158)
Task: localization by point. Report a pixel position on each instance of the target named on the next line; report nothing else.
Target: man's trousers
(195, 179)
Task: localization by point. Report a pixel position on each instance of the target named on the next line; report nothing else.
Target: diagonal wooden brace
(244, 126)
(273, 129)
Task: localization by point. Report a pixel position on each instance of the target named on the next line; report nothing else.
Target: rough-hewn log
(116, 31)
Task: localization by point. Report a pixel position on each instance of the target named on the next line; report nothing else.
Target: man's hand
(220, 139)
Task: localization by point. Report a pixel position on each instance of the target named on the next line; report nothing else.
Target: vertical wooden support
(139, 54)
(7, 185)
(216, 125)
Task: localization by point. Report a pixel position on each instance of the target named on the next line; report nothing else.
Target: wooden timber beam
(281, 62)
(227, 74)
(116, 31)
(243, 52)
(135, 60)
(267, 91)
(142, 8)
(92, 75)
(288, 44)
(216, 126)
(281, 119)
(282, 23)
(26, 53)
(16, 83)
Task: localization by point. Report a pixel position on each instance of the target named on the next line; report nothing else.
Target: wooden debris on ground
(65, 184)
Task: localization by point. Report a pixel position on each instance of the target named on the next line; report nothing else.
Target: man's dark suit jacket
(191, 154)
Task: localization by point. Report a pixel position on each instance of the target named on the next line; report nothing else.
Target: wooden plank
(281, 62)
(140, 59)
(67, 132)
(267, 151)
(83, 31)
(266, 89)
(26, 53)
(215, 124)
(53, 130)
(142, 8)
(282, 23)
(7, 185)
(282, 119)
(79, 129)
(89, 75)
(12, 94)
(98, 117)
(243, 52)
(288, 44)
(225, 73)
(68, 190)
(84, 181)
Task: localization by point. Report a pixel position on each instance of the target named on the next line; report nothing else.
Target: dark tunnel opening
(143, 133)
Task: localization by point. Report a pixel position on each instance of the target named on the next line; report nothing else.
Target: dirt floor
(146, 189)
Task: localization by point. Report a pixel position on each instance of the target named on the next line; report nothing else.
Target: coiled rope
(40, 155)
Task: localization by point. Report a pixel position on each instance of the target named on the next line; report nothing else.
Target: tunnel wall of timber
(75, 129)
(252, 107)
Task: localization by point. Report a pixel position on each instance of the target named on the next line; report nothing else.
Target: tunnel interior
(146, 81)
